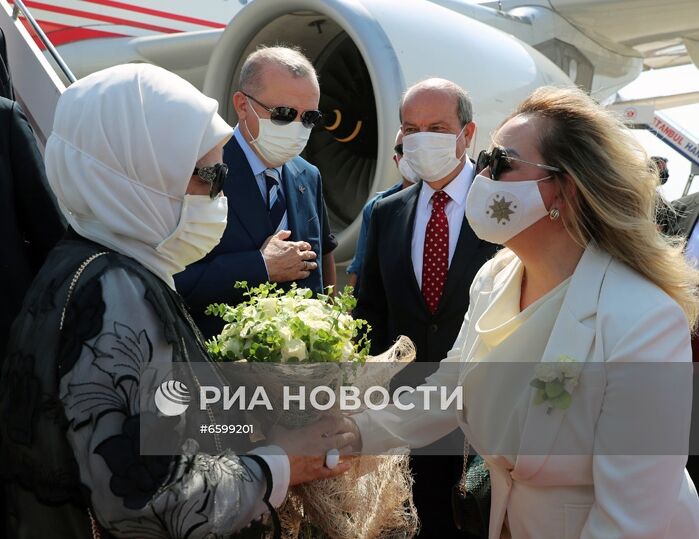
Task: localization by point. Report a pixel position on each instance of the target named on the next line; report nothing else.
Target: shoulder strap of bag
(95, 527)
(74, 282)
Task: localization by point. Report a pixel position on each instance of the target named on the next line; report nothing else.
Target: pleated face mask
(201, 226)
(120, 157)
(277, 143)
(432, 155)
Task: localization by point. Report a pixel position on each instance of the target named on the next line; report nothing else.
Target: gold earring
(554, 214)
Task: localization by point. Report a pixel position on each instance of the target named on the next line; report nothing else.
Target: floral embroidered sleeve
(139, 496)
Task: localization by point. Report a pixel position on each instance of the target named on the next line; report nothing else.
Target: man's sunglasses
(214, 175)
(499, 162)
(286, 115)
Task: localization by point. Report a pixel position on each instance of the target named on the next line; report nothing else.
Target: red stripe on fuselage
(157, 13)
(99, 17)
(60, 34)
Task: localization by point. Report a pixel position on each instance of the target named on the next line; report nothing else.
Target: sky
(662, 82)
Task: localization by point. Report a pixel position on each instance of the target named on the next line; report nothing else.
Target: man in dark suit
(421, 257)
(408, 179)
(29, 221)
(683, 222)
(277, 220)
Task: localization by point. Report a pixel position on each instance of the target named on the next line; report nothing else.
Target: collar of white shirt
(458, 191)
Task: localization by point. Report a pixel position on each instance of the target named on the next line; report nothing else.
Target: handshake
(321, 450)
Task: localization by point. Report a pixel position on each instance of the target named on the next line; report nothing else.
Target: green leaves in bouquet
(291, 326)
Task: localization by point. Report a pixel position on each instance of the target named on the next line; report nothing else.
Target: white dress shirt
(258, 169)
(457, 191)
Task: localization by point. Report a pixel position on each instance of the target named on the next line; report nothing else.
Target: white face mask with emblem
(498, 211)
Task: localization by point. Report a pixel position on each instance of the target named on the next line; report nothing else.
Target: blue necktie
(276, 205)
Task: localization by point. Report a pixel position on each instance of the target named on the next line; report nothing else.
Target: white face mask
(406, 172)
(498, 211)
(201, 225)
(431, 155)
(279, 143)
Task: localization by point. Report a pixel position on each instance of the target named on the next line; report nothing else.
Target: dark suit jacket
(683, 223)
(5, 82)
(390, 299)
(29, 220)
(237, 257)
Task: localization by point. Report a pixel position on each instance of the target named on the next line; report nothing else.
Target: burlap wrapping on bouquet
(374, 498)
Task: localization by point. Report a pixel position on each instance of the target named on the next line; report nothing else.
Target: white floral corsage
(555, 381)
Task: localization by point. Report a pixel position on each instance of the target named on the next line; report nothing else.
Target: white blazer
(610, 315)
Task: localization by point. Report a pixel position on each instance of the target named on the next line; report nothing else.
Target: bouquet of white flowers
(293, 327)
(289, 327)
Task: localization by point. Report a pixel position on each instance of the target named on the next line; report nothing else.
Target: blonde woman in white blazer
(586, 277)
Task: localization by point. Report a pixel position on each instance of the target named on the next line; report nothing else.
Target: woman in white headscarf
(103, 310)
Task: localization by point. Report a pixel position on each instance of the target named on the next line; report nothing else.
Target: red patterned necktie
(435, 257)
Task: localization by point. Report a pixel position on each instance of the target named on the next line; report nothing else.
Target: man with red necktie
(421, 256)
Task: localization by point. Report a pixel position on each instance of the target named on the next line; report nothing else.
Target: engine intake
(366, 54)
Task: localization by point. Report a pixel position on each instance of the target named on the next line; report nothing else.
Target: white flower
(294, 348)
(555, 381)
(345, 320)
(268, 306)
(286, 333)
(247, 329)
(233, 348)
(319, 325)
(289, 320)
(250, 312)
(347, 351)
(547, 372)
(313, 312)
(230, 331)
(569, 367)
(565, 367)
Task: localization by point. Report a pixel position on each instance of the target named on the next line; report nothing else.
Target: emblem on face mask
(500, 209)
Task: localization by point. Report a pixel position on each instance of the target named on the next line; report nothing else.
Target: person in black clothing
(5, 81)
(30, 222)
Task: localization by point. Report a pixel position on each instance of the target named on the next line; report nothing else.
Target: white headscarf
(124, 144)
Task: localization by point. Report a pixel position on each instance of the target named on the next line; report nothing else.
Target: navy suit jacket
(237, 257)
(390, 299)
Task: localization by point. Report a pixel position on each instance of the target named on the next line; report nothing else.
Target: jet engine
(366, 54)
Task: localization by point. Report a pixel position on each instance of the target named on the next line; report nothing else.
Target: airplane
(367, 52)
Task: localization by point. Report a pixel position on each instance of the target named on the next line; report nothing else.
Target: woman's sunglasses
(286, 115)
(499, 162)
(214, 175)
